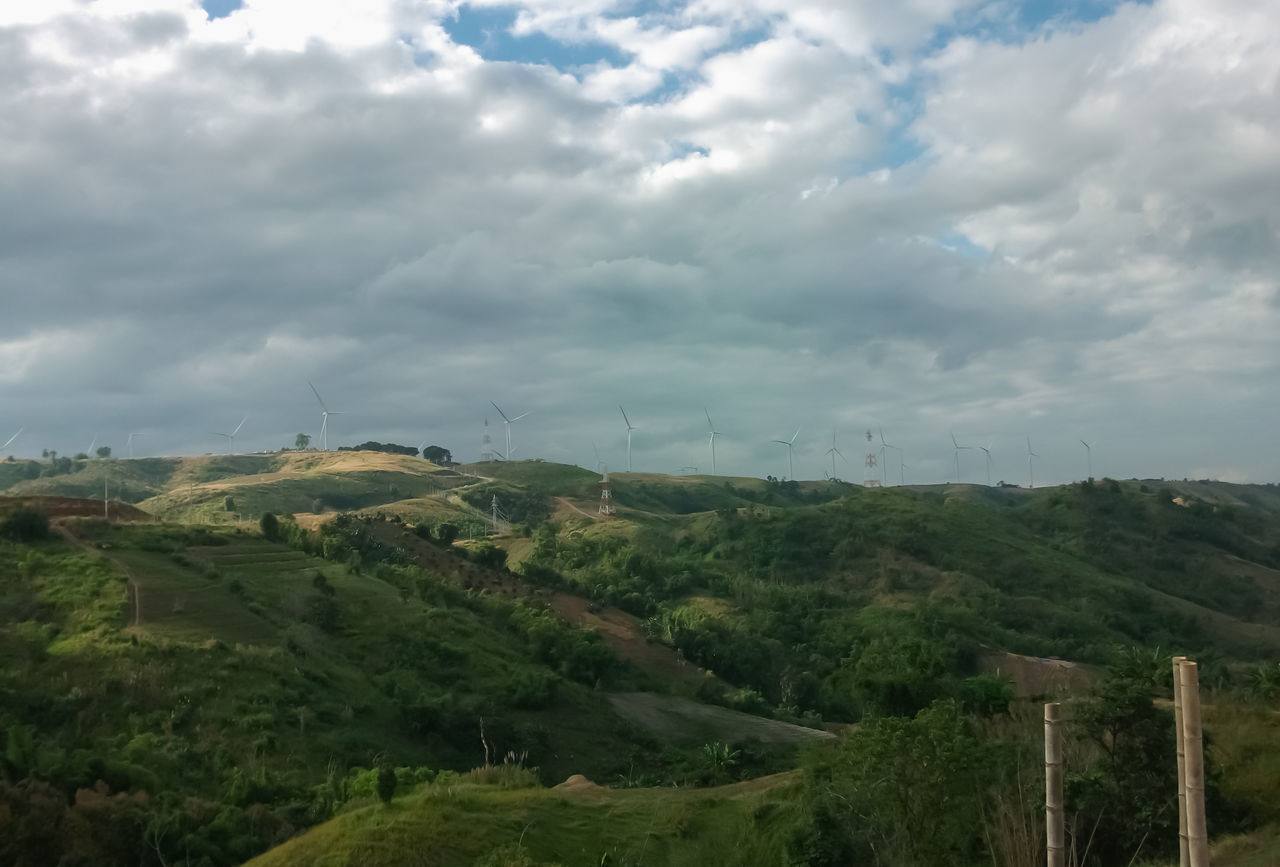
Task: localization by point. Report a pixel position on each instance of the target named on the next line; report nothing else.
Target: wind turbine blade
(710, 423)
(953, 440)
(793, 436)
(242, 421)
(520, 416)
(781, 442)
(501, 413)
(12, 438)
(624, 417)
(337, 412)
(318, 397)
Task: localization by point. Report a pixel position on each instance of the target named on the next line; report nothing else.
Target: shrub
(270, 526)
(24, 524)
(386, 783)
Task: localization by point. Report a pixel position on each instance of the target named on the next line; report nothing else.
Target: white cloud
(334, 191)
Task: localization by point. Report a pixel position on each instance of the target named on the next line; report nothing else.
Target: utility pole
(1055, 836)
(1184, 852)
(1193, 735)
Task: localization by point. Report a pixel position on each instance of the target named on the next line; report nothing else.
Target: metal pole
(1054, 829)
(1193, 748)
(1184, 854)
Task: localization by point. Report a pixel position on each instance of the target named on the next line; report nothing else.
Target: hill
(577, 823)
(241, 683)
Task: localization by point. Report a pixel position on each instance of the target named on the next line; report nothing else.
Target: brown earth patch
(72, 507)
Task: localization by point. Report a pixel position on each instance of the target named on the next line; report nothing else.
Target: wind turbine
(1088, 451)
(12, 438)
(131, 437)
(789, 443)
(92, 443)
(1031, 469)
(986, 450)
(959, 448)
(714, 433)
(902, 471)
(833, 451)
(630, 428)
(884, 465)
(599, 463)
(232, 436)
(325, 412)
(508, 422)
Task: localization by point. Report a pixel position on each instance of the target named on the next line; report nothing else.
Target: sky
(980, 218)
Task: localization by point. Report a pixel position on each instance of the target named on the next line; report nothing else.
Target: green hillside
(220, 690)
(461, 823)
(210, 667)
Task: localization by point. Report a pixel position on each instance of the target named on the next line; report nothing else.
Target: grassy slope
(228, 674)
(742, 824)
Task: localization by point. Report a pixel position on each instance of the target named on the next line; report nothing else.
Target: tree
(104, 451)
(438, 455)
(270, 526)
(386, 782)
(301, 441)
(899, 791)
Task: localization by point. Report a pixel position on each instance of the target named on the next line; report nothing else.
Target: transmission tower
(499, 519)
(869, 475)
(486, 444)
(606, 495)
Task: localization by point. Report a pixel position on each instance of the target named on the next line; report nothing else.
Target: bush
(270, 526)
(24, 524)
(386, 783)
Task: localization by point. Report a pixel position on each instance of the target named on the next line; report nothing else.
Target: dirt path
(681, 719)
(565, 501)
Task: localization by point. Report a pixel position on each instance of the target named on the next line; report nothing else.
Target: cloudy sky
(1002, 219)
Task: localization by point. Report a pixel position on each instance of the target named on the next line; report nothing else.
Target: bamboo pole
(1193, 748)
(1184, 855)
(1054, 833)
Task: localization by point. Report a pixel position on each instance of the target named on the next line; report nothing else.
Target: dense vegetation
(190, 694)
(259, 684)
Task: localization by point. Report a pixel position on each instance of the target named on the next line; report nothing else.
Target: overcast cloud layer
(929, 216)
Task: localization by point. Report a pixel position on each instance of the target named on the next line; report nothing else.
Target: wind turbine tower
(508, 422)
(630, 428)
(1088, 453)
(869, 475)
(231, 437)
(325, 412)
(132, 436)
(791, 469)
(606, 495)
(833, 451)
(884, 456)
(959, 448)
(1031, 467)
(714, 433)
(986, 450)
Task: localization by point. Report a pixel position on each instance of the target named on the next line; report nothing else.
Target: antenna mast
(606, 495)
(869, 479)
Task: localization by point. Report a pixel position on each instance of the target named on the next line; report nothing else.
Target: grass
(460, 824)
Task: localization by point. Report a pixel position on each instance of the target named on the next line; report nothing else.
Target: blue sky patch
(488, 31)
(220, 8)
